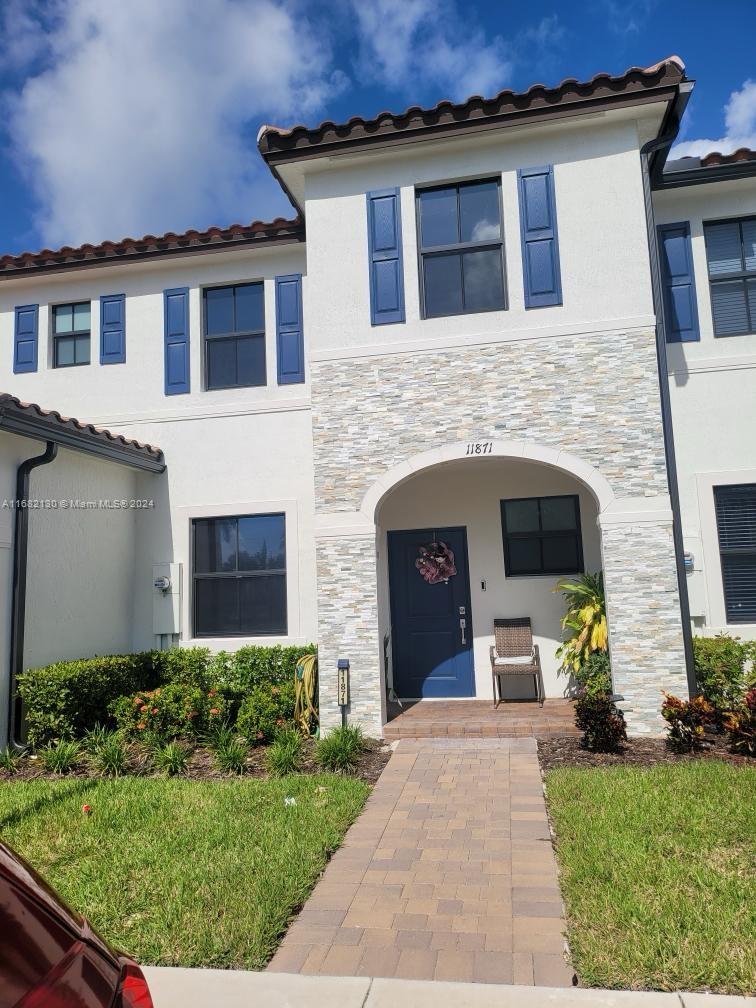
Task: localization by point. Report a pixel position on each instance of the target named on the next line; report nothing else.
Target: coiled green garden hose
(305, 691)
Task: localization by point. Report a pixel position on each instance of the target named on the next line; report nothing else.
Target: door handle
(462, 626)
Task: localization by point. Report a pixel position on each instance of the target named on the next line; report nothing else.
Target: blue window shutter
(678, 281)
(538, 230)
(176, 340)
(25, 339)
(384, 220)
(289, 330)
(112, 329)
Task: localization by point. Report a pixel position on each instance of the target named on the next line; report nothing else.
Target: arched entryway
(458, 489)
(514, 527)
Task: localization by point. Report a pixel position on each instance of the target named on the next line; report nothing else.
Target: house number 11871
(479, 448)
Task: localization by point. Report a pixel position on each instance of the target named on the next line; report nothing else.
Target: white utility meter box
(166, 598)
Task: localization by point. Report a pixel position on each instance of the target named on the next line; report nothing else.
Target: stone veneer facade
(592, 395)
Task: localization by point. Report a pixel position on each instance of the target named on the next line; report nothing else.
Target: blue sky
(125, 118)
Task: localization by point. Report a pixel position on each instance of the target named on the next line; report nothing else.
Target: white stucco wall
(80, 562)
(713, 402)
(134, 389)
(602, 238)
(468, 494)
(251, 463)
(229, 452)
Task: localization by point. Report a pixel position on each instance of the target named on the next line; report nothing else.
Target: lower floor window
(736, 526)
(239, 575)
(542, 535)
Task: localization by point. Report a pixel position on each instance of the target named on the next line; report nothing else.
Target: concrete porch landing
(478, 719)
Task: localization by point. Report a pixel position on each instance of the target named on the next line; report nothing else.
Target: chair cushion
(518, 660)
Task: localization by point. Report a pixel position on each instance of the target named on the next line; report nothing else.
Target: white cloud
(22, 40)
(627, 17)
(740, 127)
(432, 42)
(145, 116)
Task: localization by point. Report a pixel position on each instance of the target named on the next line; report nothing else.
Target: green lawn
(178, 872)
(659, 874)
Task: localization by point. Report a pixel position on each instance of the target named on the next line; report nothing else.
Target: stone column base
(348, 628)
(643, 613)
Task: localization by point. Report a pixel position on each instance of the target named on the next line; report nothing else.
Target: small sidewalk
(186, 988)
(448, 874)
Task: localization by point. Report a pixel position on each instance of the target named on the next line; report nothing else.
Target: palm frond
(584, 622)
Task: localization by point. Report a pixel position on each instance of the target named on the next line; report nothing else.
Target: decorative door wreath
(436, 562)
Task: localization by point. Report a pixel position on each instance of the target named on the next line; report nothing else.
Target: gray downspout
(666, 410)
(18, 597)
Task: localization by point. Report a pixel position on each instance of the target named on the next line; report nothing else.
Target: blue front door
(431, 624)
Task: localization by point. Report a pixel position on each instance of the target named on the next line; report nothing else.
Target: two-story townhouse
(465, 350)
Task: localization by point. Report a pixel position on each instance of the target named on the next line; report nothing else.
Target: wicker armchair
(515, 654)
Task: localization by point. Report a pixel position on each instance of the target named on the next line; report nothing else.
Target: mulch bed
(202, 766)
(566, 750)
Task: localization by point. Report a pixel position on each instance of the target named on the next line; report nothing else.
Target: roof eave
(17, 420)
(713, 173)
(275, 156)
(284, 236)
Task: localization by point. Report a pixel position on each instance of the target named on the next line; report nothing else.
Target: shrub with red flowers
(740, 725)
(173, 711)
(686, 721)
(265, 710)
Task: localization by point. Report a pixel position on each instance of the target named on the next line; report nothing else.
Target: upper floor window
(71, 334)
(235, 336)
(542, 535)
(731, 256)
(240, 576)
(461, 249)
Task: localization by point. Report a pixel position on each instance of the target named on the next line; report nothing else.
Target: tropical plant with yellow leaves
(585, 620)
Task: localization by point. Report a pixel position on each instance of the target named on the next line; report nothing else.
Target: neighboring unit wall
(228, 451)
(256, 462)
(134, 389)
(713, 403)
(80, 562)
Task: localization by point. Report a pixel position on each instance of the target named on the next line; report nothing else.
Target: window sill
(464, 314)
(227, 388)
(234, 643)
(558, 574)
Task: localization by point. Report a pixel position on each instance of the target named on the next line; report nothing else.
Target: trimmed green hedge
(64, 700)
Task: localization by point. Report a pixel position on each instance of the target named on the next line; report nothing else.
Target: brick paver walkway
(448, 874)
(478, 719)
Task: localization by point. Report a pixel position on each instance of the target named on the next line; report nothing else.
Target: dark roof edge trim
(277, 144)
(711, 173)
(670, 127)
(128, 250)
(521, 117)
(146, 256)
(17, 420)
